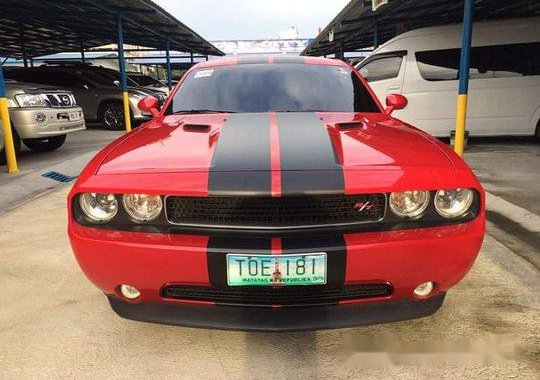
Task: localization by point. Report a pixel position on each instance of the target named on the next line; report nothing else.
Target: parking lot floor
(509, 168)
(69, 159)
(55, 325)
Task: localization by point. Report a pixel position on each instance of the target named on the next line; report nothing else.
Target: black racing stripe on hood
(308, 161)
(241, 160)
(334, 246)
(219, 247)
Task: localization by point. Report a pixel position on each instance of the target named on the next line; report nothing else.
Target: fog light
(41, 118)
(424, 289)
(129, 292)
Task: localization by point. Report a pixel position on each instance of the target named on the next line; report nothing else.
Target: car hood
(286, 142)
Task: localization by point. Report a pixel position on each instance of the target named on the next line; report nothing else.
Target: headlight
(99, 207)
(30, 100)
(453, 203)
(142, 207)
(409, 203)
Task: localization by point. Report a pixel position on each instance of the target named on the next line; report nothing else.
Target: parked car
(164, 82)
(504, 87)
(159, 92)
(147, 82)
(41, 116)
(97, 93)
(275, 196)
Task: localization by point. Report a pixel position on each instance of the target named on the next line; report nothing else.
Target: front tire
(111, 115)
(16, 143)
(45, 145)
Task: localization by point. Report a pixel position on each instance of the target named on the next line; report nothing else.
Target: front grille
(61, 100)
(285, 295)
(277, 213)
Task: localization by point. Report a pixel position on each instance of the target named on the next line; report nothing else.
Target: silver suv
(95, 90)
(41, 116)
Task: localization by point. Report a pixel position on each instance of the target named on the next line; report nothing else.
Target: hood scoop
(201, 128)
(350, 125)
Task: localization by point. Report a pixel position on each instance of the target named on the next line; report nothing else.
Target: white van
(504, 86)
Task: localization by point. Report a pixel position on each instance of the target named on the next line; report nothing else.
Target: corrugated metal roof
(353, 28)
(52, 26)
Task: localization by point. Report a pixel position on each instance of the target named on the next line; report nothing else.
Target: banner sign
(240, 47)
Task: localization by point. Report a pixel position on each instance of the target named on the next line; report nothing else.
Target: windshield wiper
(202, 111)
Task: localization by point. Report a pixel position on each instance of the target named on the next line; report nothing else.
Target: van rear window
(496, 61)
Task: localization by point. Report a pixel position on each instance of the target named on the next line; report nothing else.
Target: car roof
(484, 32)
(269, 59)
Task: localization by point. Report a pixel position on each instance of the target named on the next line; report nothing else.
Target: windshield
(144, 80)
(106, 77)
(284, 87)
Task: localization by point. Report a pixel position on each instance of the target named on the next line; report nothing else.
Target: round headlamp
(142, 207)
(99, 208)
(409, 203)
(453, 203)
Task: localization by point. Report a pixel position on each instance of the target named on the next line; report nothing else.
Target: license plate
(74, 116)
(280, 270)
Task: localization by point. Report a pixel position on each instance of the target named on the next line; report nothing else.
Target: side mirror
(149, 104)
(395, 102)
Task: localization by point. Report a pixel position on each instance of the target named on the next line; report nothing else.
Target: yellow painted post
(461, 117)
(127, 116)
(9, 146)
(461, 114)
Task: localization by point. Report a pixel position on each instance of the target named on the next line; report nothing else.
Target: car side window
(381, 68)
(495, 61)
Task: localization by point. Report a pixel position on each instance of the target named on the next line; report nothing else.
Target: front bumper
(402, 258)
(57, 121)
(277, 319)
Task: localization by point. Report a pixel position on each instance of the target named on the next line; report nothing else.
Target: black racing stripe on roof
(289, 59)
(241, 160)
(242, 60)
(251, 59)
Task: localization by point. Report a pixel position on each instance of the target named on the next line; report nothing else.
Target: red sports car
(275, 193)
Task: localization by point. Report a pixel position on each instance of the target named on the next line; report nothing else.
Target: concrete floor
(509, 168)
(55, 325)
(17, 188)
(77, 143)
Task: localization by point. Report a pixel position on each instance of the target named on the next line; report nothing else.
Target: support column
(340, 54)
(23, 46)
(461, 114)
(376, 37)
(9, 146)
(169, 69)
(123, 76)
(83, 59)
(191, 57)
